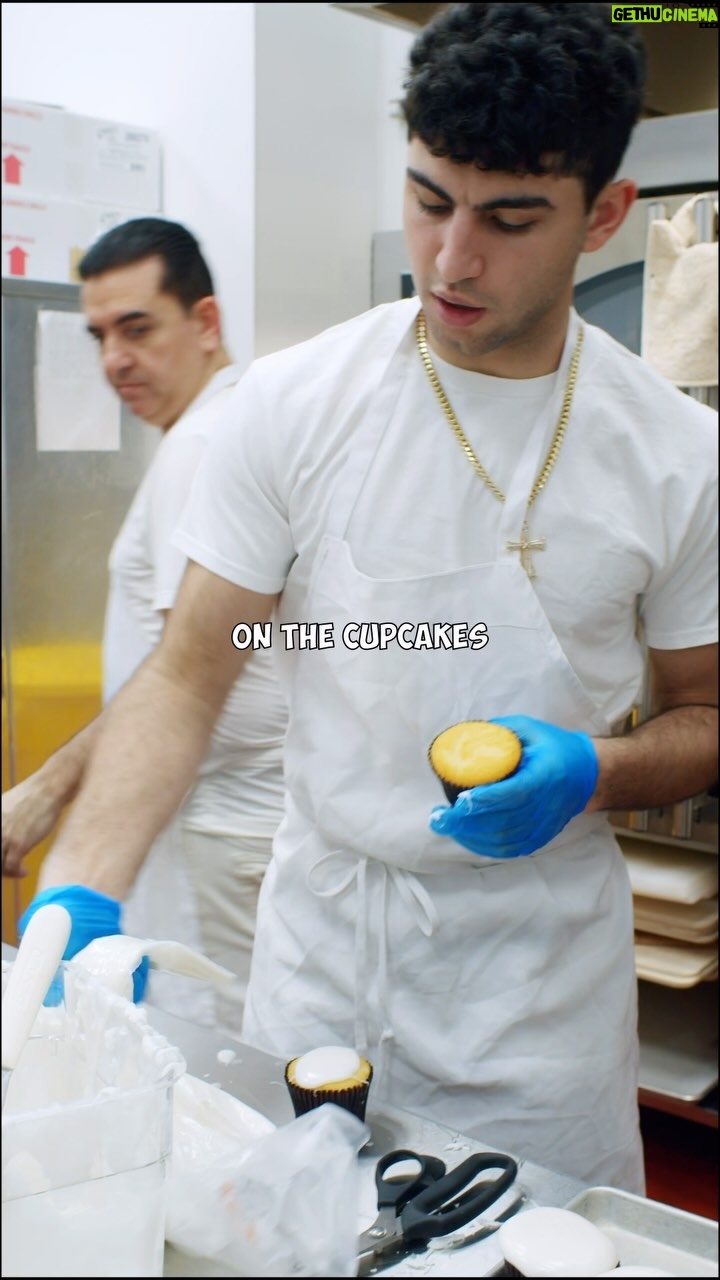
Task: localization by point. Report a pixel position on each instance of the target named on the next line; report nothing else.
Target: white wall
(391, 129)
(186, 70)
(324, 81)
(276, 122)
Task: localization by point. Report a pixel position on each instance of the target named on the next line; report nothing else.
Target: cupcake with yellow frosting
(329, 1074)
(472, 753)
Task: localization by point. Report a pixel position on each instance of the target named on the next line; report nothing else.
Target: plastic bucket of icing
(86, 1136)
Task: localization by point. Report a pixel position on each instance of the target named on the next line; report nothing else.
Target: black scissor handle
(429, 1214)
(394, 1193)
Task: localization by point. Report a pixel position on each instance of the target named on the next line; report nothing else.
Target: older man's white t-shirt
(239, 787)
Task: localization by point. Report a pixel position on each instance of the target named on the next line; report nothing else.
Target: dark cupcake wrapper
(452, 792)
(353, 1099)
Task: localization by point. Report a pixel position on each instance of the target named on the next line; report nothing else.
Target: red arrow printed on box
(18, 257)
(12, 165)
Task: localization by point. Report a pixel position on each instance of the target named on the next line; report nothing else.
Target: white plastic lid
(556, 1242)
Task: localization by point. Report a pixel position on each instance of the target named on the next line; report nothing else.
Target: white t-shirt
(239, 789)
(629, 513)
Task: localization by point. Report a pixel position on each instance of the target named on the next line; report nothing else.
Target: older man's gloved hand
(556, 777)
(93, 916)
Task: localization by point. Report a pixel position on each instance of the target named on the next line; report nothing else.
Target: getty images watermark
(662, 13)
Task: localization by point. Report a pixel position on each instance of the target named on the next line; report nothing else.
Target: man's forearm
(668, 758)
(63, 771)
(32, 807)
(152, 739)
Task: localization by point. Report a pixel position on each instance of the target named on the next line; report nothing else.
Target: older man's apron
(497, 998)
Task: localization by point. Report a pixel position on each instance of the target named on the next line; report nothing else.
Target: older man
(149, 301)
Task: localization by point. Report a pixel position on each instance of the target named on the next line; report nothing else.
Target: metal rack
(679, 1028)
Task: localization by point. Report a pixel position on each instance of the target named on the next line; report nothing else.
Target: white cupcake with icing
(331, 1073)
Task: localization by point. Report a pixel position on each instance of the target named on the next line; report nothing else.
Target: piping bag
(39, 954)
(113, 960)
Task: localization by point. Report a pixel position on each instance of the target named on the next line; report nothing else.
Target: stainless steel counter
(258, 1079)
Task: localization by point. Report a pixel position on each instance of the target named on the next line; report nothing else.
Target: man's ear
(608, 212)
(206, 313)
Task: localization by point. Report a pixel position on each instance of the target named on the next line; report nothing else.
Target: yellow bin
(56, 691)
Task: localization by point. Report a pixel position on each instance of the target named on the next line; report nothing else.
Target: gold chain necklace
(524, 544)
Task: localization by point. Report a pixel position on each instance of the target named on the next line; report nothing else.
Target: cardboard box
(44, 239)
(52, 152)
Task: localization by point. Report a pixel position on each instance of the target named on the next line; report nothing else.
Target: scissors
(418, 1206)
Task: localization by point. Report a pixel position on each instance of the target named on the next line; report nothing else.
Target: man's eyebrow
(431, 186)
(487, 206)
(125, 318)
(516, 202)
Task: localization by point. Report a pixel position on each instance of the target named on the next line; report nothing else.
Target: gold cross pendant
(525, 544)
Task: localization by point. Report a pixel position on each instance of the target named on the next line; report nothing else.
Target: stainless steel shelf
(679, 1049)
(673, 842)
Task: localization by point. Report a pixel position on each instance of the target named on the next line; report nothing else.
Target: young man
(148, 298)
(476, 455)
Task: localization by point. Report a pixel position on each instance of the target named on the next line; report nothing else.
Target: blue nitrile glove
(93, 916)
(510, 819)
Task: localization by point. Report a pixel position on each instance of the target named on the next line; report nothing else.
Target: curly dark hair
(186, 275)
(527, 88)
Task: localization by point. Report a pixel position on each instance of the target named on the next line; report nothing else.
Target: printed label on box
(56, 153)
(45, 239)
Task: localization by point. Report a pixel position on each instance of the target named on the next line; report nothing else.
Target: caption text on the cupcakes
(363, 635)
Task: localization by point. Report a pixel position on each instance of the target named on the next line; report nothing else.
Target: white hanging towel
(680, 299)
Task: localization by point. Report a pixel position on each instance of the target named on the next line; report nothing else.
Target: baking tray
(647, 1233)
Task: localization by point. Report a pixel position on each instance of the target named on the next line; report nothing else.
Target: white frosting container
(86, 1135)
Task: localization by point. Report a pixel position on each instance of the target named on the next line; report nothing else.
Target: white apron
(495, 997)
